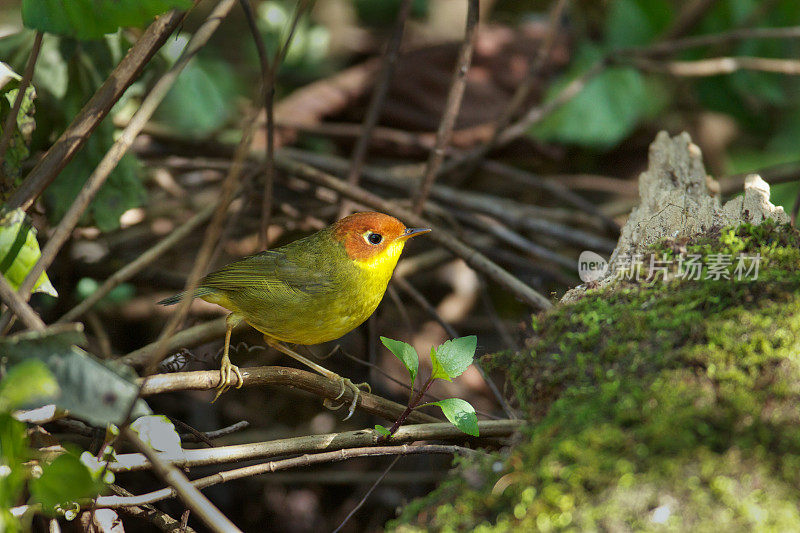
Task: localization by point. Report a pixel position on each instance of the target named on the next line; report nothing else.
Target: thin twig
(161, 520)
(183, 488)
(471, 256)
(268, 85)
(423, 302)
(523, 91)
(212, 234)
(280, 376)
(376, 101)
(267, 97)
(499, 324)
(77, 427)
(363, 499)
(505, 234)
(528, 217)
(222, 432)
(538, 113)
(719, 65)
(188, 337)
(103, 340)
(332, 442)
(452, 107)
(11, 119)
(556, 188)
(284, 464)
(18, 306)
(679, 45)
(145, 259)
(693, 11)
(95, 110)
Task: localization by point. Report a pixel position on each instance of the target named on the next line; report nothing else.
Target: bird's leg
(226, 368)
(346, 383)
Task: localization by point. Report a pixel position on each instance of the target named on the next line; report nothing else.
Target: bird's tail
(198, 293)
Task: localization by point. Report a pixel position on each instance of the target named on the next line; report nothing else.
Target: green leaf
(64, 480)
(406, 353)
(122, 190)
(199, 102)
(382, 430)
(454, 356)
(636, 22)
(158, 432)
(99, 392)
(91, 19)
(26, 382)
(98, 467)
(14, 452)
(460, 413)
(606, 111)
(19, 251)
(437, 370)
(24, 125)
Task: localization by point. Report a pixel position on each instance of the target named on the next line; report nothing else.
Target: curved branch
(283, 376)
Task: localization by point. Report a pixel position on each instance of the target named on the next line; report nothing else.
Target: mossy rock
(654, 406)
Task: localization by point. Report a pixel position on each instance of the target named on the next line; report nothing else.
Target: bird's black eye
(374, 238)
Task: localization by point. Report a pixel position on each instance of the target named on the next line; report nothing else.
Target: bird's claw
(355, 388)
(225, 381)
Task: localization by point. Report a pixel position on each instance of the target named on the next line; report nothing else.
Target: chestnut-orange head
(373, 240)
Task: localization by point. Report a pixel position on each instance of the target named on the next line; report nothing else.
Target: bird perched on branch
(309, 291)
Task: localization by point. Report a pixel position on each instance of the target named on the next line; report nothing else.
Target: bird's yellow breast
(321, 316)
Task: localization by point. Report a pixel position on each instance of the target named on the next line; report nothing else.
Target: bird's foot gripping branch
(448, 361)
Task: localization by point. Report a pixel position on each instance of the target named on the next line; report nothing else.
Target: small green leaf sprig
(449, 361)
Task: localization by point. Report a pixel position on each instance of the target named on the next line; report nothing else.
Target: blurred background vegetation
(593, 146)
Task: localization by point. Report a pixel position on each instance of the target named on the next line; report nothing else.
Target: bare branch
(18, 306)
(284, 464)
(281, 376)
(719, 65)
(452, 107)
(743, 34)
(524, 90)
(332, 442)
(376, 102)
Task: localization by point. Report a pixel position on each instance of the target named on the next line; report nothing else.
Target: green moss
(654, 406)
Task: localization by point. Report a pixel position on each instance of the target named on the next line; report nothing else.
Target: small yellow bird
(309, 291)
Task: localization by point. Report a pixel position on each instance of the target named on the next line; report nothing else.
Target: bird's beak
(412, 232)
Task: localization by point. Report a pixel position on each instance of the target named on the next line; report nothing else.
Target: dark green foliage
(91, 19)
(100, 393)
(17, 150)
(64, 480)
(67, 72)
(202, 99)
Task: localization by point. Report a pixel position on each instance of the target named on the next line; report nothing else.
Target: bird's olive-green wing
(273, 272)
